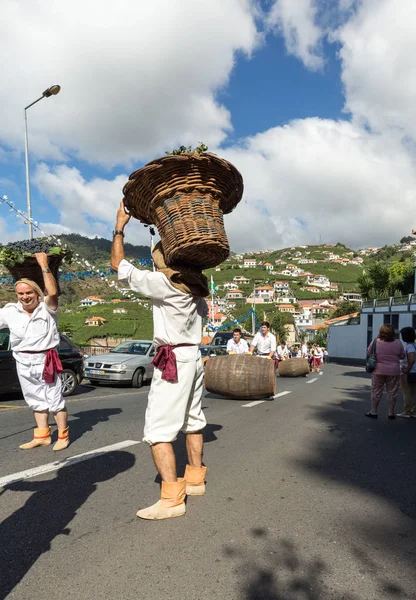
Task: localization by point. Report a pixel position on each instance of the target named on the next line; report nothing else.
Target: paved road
(306, 500)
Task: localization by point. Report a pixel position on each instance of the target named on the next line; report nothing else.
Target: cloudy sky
(312, 100)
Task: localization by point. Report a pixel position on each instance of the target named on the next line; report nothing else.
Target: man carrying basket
(174, 402)
(32, 321)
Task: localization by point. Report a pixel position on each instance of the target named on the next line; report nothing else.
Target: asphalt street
(306, 500)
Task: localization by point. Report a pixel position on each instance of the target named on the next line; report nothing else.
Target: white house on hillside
(281, 286)
(266, 292)
(318, 280)
(229, 285)
(250, 263)
(91, 301)
(241, 279)
(234, 294)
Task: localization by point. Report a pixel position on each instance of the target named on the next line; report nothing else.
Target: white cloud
(296, 20)
(308, 180)
(314, 178)
(136, 77)
(85, 207)
(379, 70)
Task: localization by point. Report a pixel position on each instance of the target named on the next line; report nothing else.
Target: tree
(407, 239)
(345, 308)
(320, 337)
(278, 322)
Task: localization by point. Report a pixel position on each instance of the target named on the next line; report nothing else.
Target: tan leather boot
(171, 503)
(63, 439)
(195, 480)
(41, 437)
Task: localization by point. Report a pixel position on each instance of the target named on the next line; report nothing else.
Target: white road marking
(66, 462)
(312, 380)
(321, 373)
(281, 394)
(254, 403)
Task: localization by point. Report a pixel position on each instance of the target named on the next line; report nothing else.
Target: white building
(351, 297)
(228, 285)
(250, 263)
(318, 280)
(281, 286)
(234, 294)
(266, 292)
(241, 279)
(348, 340)
(91, 301)
(285, 299)
(268, 266)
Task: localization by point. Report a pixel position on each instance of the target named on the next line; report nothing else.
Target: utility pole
(253, 313)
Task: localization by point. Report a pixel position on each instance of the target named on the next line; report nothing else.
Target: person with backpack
(389, 352)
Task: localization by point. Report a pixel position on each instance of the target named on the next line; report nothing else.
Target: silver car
(129, 362)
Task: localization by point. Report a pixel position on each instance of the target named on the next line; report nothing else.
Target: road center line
(312, 380)
(280, 394)
(66, 462)
(254, 403)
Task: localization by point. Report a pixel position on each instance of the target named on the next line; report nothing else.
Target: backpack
(371, 362)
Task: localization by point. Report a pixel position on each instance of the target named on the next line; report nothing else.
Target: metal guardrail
(94, 350)
(388, 302)
(383, 302)
(400, 301)
(367, 304)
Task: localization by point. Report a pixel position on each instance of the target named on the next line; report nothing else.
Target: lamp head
(52, 91)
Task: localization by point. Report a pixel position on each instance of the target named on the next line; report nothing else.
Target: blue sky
(301, 96)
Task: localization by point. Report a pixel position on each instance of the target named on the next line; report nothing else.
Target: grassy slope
(138, 321)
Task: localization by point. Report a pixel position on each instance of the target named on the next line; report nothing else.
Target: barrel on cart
(241, 376)
(294, 367)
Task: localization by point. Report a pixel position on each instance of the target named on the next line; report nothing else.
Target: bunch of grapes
(17, 252)
(30, 246)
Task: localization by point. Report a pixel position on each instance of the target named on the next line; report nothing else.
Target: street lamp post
(52, 91)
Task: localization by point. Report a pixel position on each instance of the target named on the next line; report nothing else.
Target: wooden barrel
(241, 376)
(293, 367)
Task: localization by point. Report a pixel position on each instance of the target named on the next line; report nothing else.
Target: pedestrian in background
(389, 352)
(408, 374)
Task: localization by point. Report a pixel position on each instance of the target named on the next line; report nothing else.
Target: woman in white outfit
(34, 336)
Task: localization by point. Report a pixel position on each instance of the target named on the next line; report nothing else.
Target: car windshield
(140, 348)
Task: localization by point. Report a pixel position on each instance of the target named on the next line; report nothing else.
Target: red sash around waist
(165, 360)
(52, 366)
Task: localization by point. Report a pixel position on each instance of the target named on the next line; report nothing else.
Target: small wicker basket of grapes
(19, 259)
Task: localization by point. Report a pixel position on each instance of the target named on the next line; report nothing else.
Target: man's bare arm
(49, 281)
(117, 248)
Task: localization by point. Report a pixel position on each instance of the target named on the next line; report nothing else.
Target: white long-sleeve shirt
(35, 333)
(177, 316)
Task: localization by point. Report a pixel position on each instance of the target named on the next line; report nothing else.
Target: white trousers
(175, 406)
(38, 394)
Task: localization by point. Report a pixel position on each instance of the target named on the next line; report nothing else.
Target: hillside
(338, 266)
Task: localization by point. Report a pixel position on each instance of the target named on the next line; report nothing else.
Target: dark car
(71, 358)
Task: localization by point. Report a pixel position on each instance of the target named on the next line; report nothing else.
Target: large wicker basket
(185, 197)
(30, 269)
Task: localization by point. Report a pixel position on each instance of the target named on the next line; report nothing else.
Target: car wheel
(94, 382)
(137, 380)
(69, 382)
